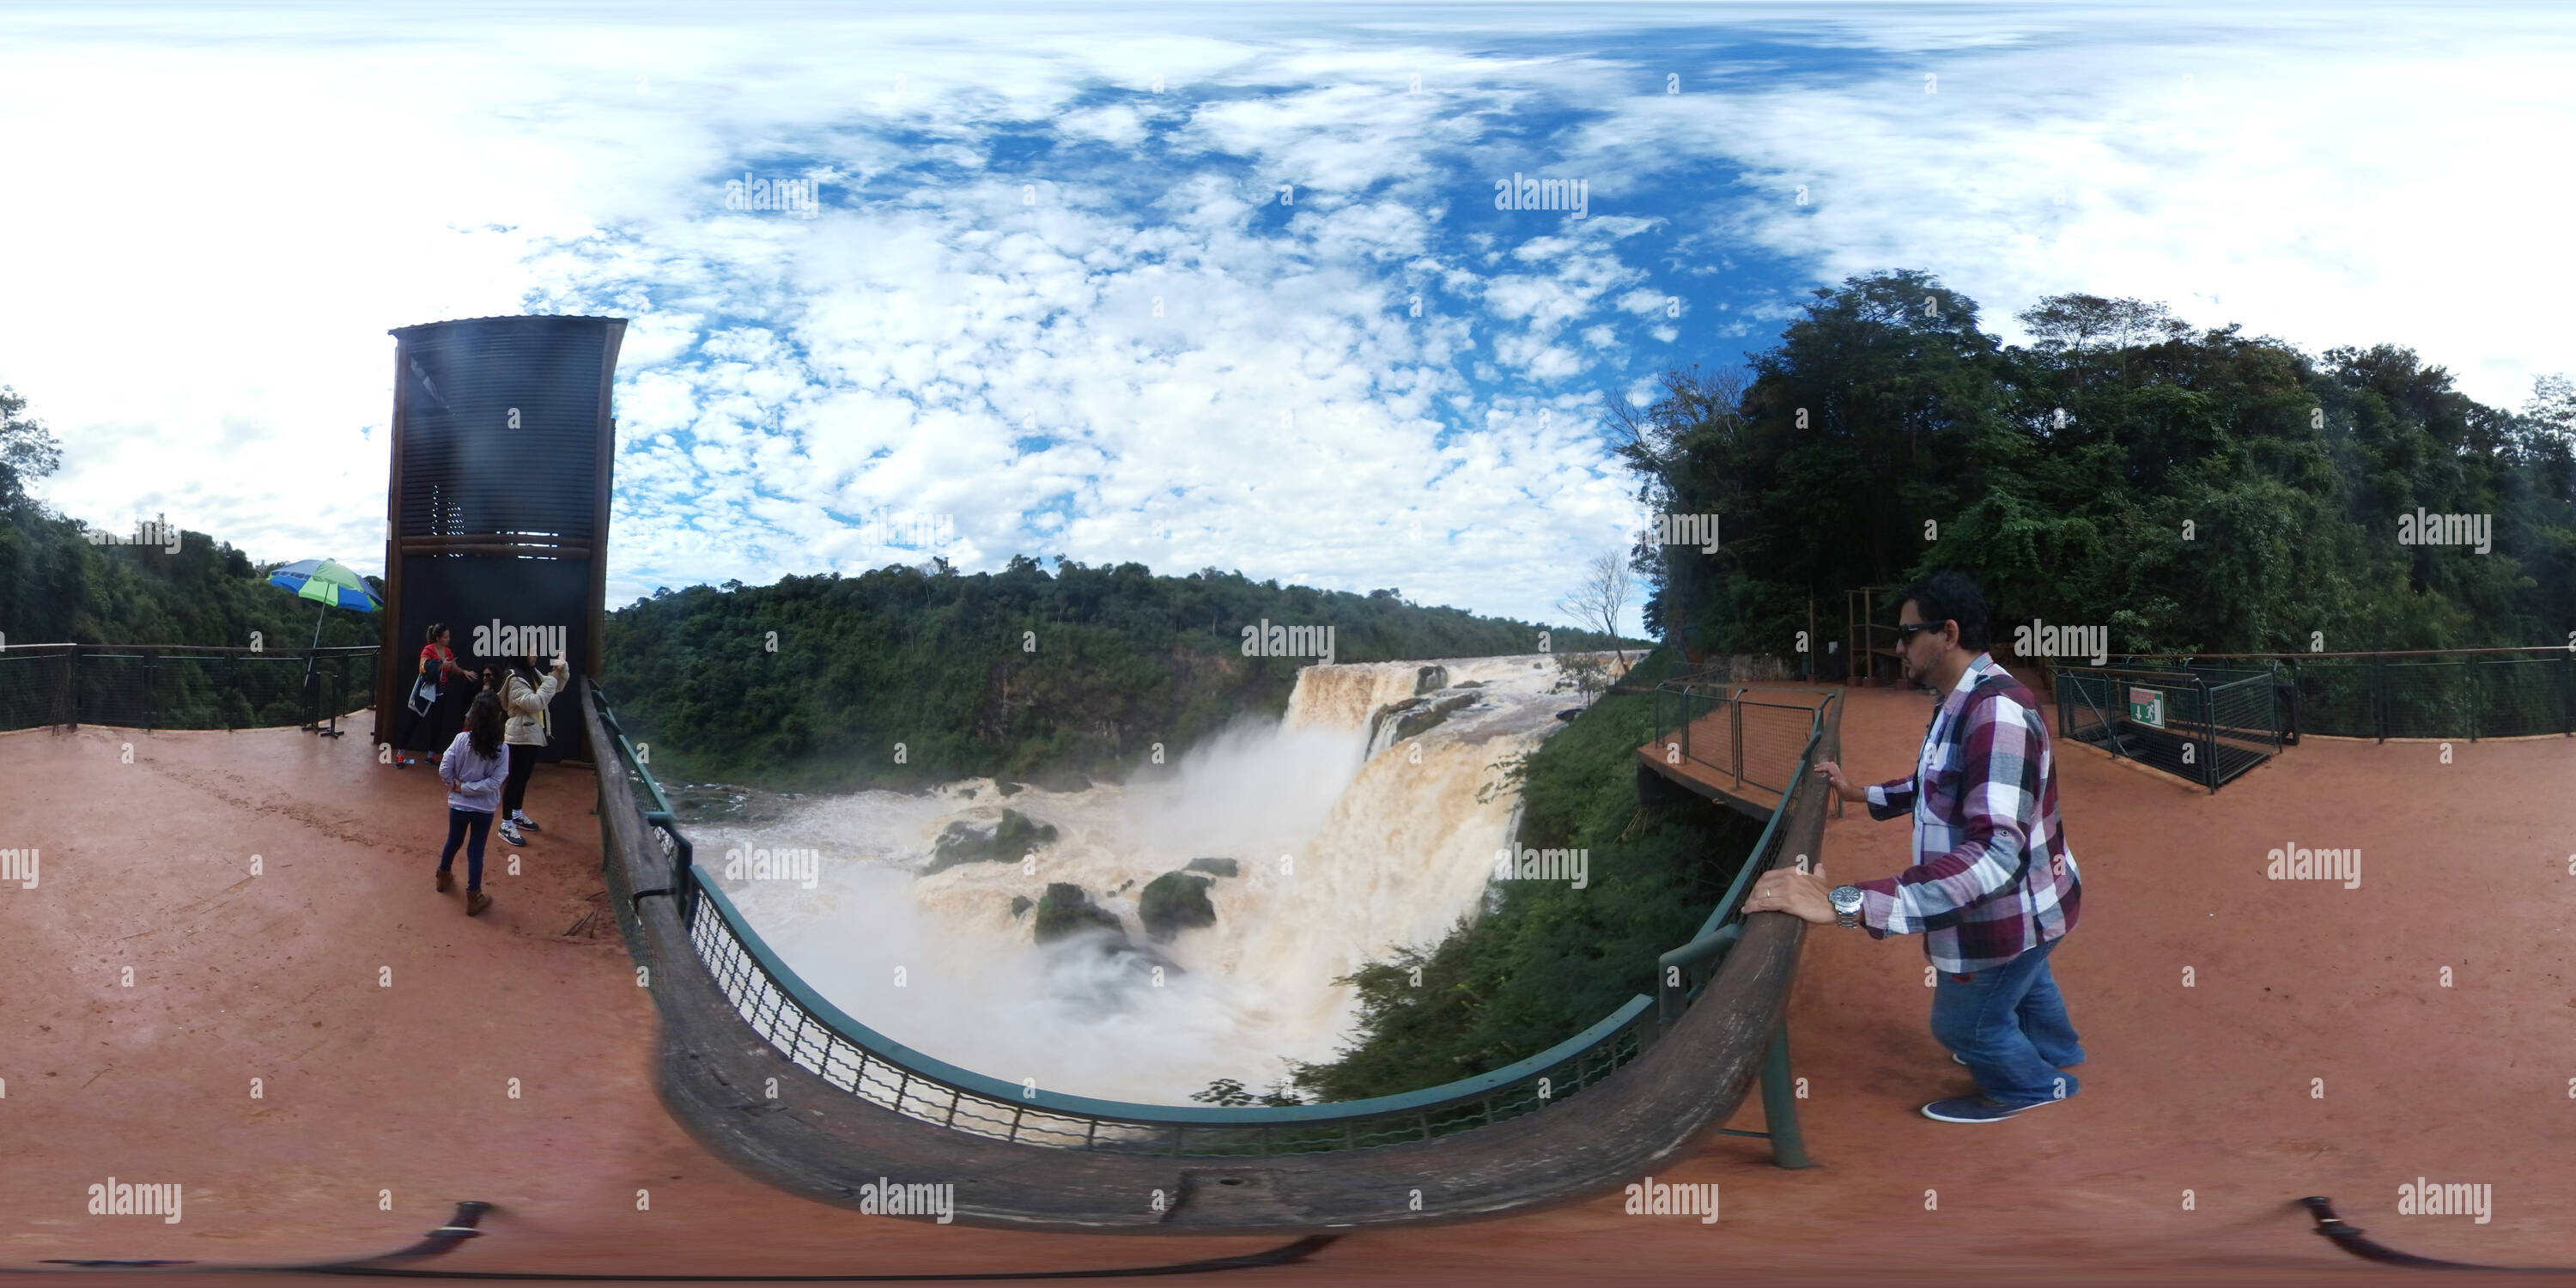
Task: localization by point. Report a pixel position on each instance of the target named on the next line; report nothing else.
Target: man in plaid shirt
(1993, 888)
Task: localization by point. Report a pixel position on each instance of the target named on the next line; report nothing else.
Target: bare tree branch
(1601, 597)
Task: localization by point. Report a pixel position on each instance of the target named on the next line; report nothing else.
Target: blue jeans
(2010, 1025)
(460, 822)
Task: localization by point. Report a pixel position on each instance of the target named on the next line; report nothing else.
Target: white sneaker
(525, 823)
(511, 833)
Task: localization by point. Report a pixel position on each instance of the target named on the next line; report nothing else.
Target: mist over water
(1345, 851)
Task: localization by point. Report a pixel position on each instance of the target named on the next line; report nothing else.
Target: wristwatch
(1846, 901)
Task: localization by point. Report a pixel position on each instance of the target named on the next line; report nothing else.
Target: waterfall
(1344, 696)
(1349, 841)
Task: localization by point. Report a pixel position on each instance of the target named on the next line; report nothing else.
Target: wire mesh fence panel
(2245, 725)
(35, 688)
(180, 687)
(1775, 738)
(2338, 697)
(193, 691)
(1701, 725)
(2186, 704)
(2085, 705)
(2523, 696)
(2429, 699)
(2247, 709)
(113, 689)
(353, 686)
(271, 690)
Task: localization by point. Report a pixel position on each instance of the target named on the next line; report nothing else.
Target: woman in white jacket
(528, 730)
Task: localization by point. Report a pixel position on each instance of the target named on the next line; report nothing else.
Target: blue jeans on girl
(460, 822)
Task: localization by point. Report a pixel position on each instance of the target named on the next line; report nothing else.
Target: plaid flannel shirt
(1984, 799)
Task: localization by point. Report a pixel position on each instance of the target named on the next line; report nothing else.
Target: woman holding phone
(525, 701)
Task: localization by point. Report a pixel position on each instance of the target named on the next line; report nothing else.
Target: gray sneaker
(1974, 1109)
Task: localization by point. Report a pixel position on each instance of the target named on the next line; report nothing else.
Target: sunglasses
(1906, 631)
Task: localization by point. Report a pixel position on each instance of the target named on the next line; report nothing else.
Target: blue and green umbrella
(328, 581)
(332, 584)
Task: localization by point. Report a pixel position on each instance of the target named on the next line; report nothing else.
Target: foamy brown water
(1343, 858)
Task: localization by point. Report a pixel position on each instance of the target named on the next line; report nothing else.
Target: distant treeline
(1020, 673)
(2193, 490)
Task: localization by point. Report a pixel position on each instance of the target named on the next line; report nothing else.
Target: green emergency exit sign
(2147, 707)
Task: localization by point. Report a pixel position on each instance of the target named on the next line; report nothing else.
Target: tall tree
(27, 449)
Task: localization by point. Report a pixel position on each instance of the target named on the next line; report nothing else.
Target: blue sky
(1070, 310)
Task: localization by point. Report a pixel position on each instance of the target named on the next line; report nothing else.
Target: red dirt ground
(405, 1089)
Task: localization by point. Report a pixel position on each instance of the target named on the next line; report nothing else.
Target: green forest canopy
(2193, 490)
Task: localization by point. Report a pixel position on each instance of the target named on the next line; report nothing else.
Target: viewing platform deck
(1736, 744)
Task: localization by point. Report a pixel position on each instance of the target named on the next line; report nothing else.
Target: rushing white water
(1345, 849)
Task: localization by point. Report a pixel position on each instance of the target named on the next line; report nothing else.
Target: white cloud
(2285, 173)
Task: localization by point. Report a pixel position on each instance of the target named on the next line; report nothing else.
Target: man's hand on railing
(1799, 894)
(1842, 786)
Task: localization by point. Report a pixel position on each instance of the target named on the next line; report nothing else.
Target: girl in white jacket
(472, 770)
(528, 730)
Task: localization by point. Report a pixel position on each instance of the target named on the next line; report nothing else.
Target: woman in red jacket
(431, 711)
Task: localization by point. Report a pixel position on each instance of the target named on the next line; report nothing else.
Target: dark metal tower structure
(497, 507)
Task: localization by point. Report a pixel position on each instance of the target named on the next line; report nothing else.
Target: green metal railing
(817, 1035)
(2425, 693)
(1682, 974)
(174, 686)
(1778, 719)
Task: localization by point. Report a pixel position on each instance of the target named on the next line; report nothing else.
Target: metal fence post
(2477, 698)
(2290, 695)
(2208, 733)
(1780, 1104)
(2379, 697)
(1735, 707)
